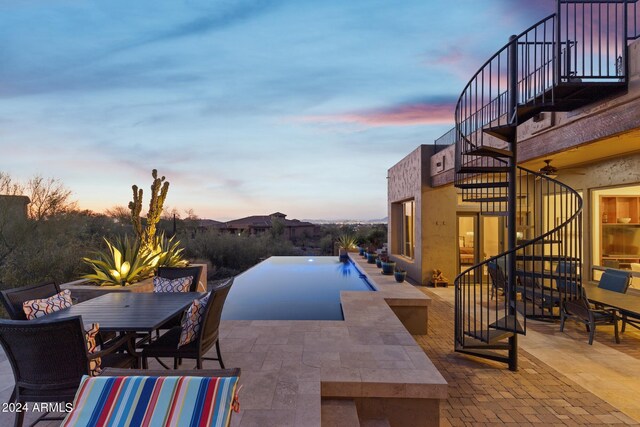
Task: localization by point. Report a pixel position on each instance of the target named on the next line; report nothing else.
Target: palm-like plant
(347, 242)
(167, 252)
(122, 263)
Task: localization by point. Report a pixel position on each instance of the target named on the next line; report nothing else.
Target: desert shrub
(230, 253)
(35, 251)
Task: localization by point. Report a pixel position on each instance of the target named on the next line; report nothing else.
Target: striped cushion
(162, 284)
(41, 307)
(153, 401)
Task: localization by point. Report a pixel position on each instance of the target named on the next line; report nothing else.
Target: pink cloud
(402, 115)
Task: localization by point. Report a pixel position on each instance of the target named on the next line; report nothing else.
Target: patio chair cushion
(192, 320)
(41, 307)
(92, 346)
(162, 284)
(155, 401)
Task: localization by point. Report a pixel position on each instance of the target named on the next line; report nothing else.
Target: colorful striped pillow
(35, 308)
(153, 401)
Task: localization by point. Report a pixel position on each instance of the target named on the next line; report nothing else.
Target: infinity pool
(293, 288)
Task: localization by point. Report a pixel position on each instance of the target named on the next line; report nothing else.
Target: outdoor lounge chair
(197, 398)
(167, 344)
(578, 308)
(12, 299)
(49, 358)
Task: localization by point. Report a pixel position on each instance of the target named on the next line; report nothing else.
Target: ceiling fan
(547, 169)
(551, 171)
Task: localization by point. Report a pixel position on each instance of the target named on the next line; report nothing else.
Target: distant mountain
(384, 220)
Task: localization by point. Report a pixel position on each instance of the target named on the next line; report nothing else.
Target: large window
(616, 230)
(407, 246)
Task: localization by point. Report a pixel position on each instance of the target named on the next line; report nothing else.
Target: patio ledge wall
(339, 373)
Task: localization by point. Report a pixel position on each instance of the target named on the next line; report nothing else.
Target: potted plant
(400, 275)
(371, 254)
(379, 262)
(346, 243)
(388, 267)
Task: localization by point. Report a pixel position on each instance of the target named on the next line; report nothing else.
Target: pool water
(293, 288)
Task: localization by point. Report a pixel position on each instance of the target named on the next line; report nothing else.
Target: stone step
(375, 423)
(339, 413)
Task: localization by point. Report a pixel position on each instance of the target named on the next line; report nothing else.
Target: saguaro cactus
(159, 189)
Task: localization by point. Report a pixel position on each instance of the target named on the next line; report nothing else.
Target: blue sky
(246, 106)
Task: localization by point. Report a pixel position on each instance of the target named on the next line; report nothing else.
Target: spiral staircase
(570, 59)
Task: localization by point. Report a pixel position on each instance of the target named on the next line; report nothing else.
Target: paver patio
(482, 392)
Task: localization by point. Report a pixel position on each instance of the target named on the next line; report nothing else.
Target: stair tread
(339, 413)
(498, 199)
(483, 169)
(479, 185)
(503, 132)
(489, 336)
(508, 324)
(488, 151)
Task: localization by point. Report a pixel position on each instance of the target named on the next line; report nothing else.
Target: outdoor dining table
(128, 311)
(628, 302)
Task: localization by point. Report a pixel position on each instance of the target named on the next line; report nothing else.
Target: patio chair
(615, 280)
(566, 282)
(207, 398)
(579, 309)
(167, 344)
(178, 273)
(49, 358)
(12, 299)
(498, 279)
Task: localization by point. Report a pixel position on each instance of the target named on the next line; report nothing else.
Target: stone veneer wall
(434, 222)
(405, 182)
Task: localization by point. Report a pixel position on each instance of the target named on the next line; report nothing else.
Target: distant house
(210, 224)
(14, 207)
(257, 224)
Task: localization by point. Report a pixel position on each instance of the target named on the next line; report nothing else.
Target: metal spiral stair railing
(487, 309)
(566, 60)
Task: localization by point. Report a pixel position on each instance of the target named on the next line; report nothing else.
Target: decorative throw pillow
(41, 307)
(161, 284)
(92, 347)
(192, 320)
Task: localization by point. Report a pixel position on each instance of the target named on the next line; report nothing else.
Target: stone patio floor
(576, 384)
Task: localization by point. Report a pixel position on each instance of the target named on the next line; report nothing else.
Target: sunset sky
(246, 106)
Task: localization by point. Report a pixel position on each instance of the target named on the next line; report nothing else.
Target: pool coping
(290, 366)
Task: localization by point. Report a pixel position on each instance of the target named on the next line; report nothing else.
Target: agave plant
(347, 241)
(167, 252)
(122, 263)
